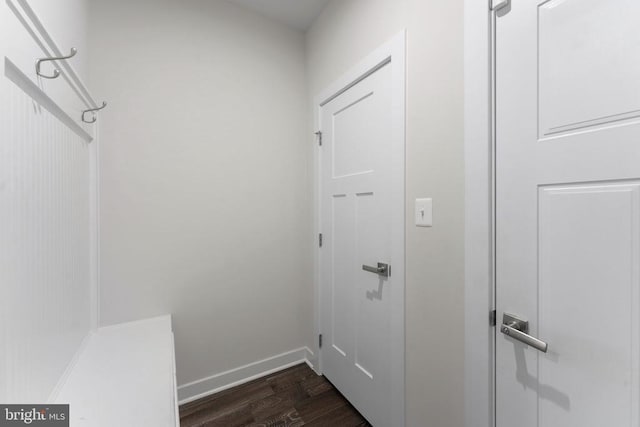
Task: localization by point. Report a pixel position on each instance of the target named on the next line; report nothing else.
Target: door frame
(479, 140)
(394, 52)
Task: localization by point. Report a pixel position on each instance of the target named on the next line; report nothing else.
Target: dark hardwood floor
(293, 397)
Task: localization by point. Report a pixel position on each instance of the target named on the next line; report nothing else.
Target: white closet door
(362, 255)
(568, 213)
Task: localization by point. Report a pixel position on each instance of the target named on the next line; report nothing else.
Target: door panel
(341, 290)
(372, 310)
(351, 153)
(568, 212)
(589, 240)
(357, 184)
(584, 80)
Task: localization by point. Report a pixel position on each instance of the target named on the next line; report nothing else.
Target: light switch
(424, 212)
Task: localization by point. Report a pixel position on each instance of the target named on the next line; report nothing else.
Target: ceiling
(298, 14)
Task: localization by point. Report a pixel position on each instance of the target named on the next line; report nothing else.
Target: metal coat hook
(56, 72)
(92, 110)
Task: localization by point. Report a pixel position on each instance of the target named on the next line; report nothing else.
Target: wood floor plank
(294, 397)
(239, 418)
(339, 417)
(316, 385)
(272, 407)
(294, 393)
(248, 392)
(316, 406)
(211, 409)
(289, 418)
(291, 378)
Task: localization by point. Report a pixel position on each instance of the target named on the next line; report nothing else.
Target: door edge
(479, 339)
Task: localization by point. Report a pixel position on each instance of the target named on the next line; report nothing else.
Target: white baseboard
(216, 383)
(312, 360)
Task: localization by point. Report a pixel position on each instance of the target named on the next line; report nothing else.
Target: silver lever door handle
(518, 329)
(382, 269)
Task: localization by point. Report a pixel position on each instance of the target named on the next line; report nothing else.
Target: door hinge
(319, 135)
(320, 240)
(496, 5)
(320, 341)
(492, 318)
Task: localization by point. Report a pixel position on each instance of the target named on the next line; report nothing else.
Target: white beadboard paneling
(45, 225)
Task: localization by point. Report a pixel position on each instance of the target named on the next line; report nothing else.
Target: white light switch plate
(424, 212)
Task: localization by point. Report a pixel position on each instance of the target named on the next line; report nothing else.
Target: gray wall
(205, 204)
(346, 32)
(206, 160)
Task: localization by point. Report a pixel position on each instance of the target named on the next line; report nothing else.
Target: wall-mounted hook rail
(56, 72)
(92, 110)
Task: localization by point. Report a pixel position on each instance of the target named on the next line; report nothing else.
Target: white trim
(393, 51)
(219, 382)
(13, 73)
(176, 404)
(29, 19)
(95, 229)
(479, 296)
(311, 358)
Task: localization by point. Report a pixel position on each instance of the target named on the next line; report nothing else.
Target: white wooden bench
(124, 376)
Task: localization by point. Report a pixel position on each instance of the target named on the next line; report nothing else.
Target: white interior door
(362, 211)
(568, 212)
